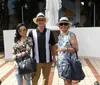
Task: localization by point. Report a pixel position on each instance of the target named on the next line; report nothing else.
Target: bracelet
(66, 48)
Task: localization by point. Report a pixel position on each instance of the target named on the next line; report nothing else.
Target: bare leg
(67, 82)
(74, 82)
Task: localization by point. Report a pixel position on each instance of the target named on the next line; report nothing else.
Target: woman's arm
(14, 51)
(74, 43)
(54, 50)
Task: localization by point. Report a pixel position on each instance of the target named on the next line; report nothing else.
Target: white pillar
(52, 11)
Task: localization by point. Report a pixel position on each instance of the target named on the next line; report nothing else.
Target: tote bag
(77, 71)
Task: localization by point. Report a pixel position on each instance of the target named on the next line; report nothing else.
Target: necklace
(64, 33)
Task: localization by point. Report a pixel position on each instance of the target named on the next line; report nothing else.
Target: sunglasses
(61, 24)
(40, 19)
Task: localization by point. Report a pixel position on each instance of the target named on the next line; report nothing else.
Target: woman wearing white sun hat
(66, 42)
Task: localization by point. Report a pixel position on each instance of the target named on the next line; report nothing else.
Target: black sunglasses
(61, 24)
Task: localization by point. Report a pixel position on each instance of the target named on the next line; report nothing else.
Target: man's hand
(54, 61)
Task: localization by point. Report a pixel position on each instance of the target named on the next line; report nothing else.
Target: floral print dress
(63, 41)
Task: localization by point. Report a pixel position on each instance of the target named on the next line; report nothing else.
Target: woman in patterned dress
(22, 46)
(66, 42)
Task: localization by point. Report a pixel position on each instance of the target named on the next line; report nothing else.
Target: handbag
(66, 73)
(27, 65)
(77, 71)
(73, 70)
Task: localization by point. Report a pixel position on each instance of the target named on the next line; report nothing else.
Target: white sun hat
(64, 20)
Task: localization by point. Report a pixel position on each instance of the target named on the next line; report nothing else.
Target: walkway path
(91, 68)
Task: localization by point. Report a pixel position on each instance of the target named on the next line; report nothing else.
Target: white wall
(88, 40)
(8, 36)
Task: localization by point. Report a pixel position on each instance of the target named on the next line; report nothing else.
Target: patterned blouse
(23, 46)
(62, 57)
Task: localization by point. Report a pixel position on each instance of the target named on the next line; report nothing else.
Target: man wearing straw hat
(44, 46)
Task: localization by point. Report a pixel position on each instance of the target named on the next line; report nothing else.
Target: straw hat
(39, 15)
(64, 20)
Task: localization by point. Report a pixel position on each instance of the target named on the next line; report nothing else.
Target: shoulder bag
(77, 71)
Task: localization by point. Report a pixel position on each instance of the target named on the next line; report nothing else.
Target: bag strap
(32, 76)
(76, 52)
(27, 79)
